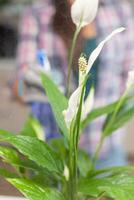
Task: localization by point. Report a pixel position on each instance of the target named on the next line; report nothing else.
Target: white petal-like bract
(73, 105)
(99, 48)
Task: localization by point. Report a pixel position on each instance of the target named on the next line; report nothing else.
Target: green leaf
(57, 101)
(5, 134)
(37, 151)
(39, 174)
(33, 191)
(7, 174)
(119, 187)
(19, 162)
(33, 128)
(122, 187)
(122, 118)
(98, 112)
(8, 154)
(111, 171)
(46, 179)
(90, 187)
(60, 147)
(84, 162)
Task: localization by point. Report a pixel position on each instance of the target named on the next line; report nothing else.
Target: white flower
(84, 11)
(74, 100)
(130, 81)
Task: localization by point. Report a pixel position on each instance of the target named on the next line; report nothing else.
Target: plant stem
(72, 174)
(73, 149)
(71, 57)
(72, 165)
(122, 99)
(96, 155)
(97, 152)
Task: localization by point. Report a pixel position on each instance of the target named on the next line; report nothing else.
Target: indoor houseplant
(60, 170)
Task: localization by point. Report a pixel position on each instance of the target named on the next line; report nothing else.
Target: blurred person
(111, 73)
(45, 25)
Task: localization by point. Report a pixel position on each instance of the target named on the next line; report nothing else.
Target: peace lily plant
(59, 169)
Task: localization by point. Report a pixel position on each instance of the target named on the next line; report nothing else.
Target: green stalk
(72, 166)
(71, 57)
(122, 99)
(98, 149)
(74, 137)
(73, 162)
(97, 152)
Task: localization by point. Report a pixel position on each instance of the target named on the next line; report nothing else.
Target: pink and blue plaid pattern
(36, 33)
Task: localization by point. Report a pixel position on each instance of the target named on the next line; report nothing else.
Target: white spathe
(99, 48)
(73, 103)
(74, 99)
(130, 81)
(84, 11)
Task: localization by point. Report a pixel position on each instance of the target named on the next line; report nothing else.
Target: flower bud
(84, 11)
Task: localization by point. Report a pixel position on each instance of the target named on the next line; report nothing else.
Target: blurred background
(12, 113)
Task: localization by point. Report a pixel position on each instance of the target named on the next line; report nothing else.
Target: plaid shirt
(115, 61)
(36, 33)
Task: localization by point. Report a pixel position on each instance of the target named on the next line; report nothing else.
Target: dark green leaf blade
(122, 118)
(117, 192)
(32, 128)
(90, 187)
(7, 174)
(84, 163)
(57, 101)
(33, 191)
(98, 112)
(8, 154)
(122, 187)
(37, 151)
(111, 171)
(117, 187)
